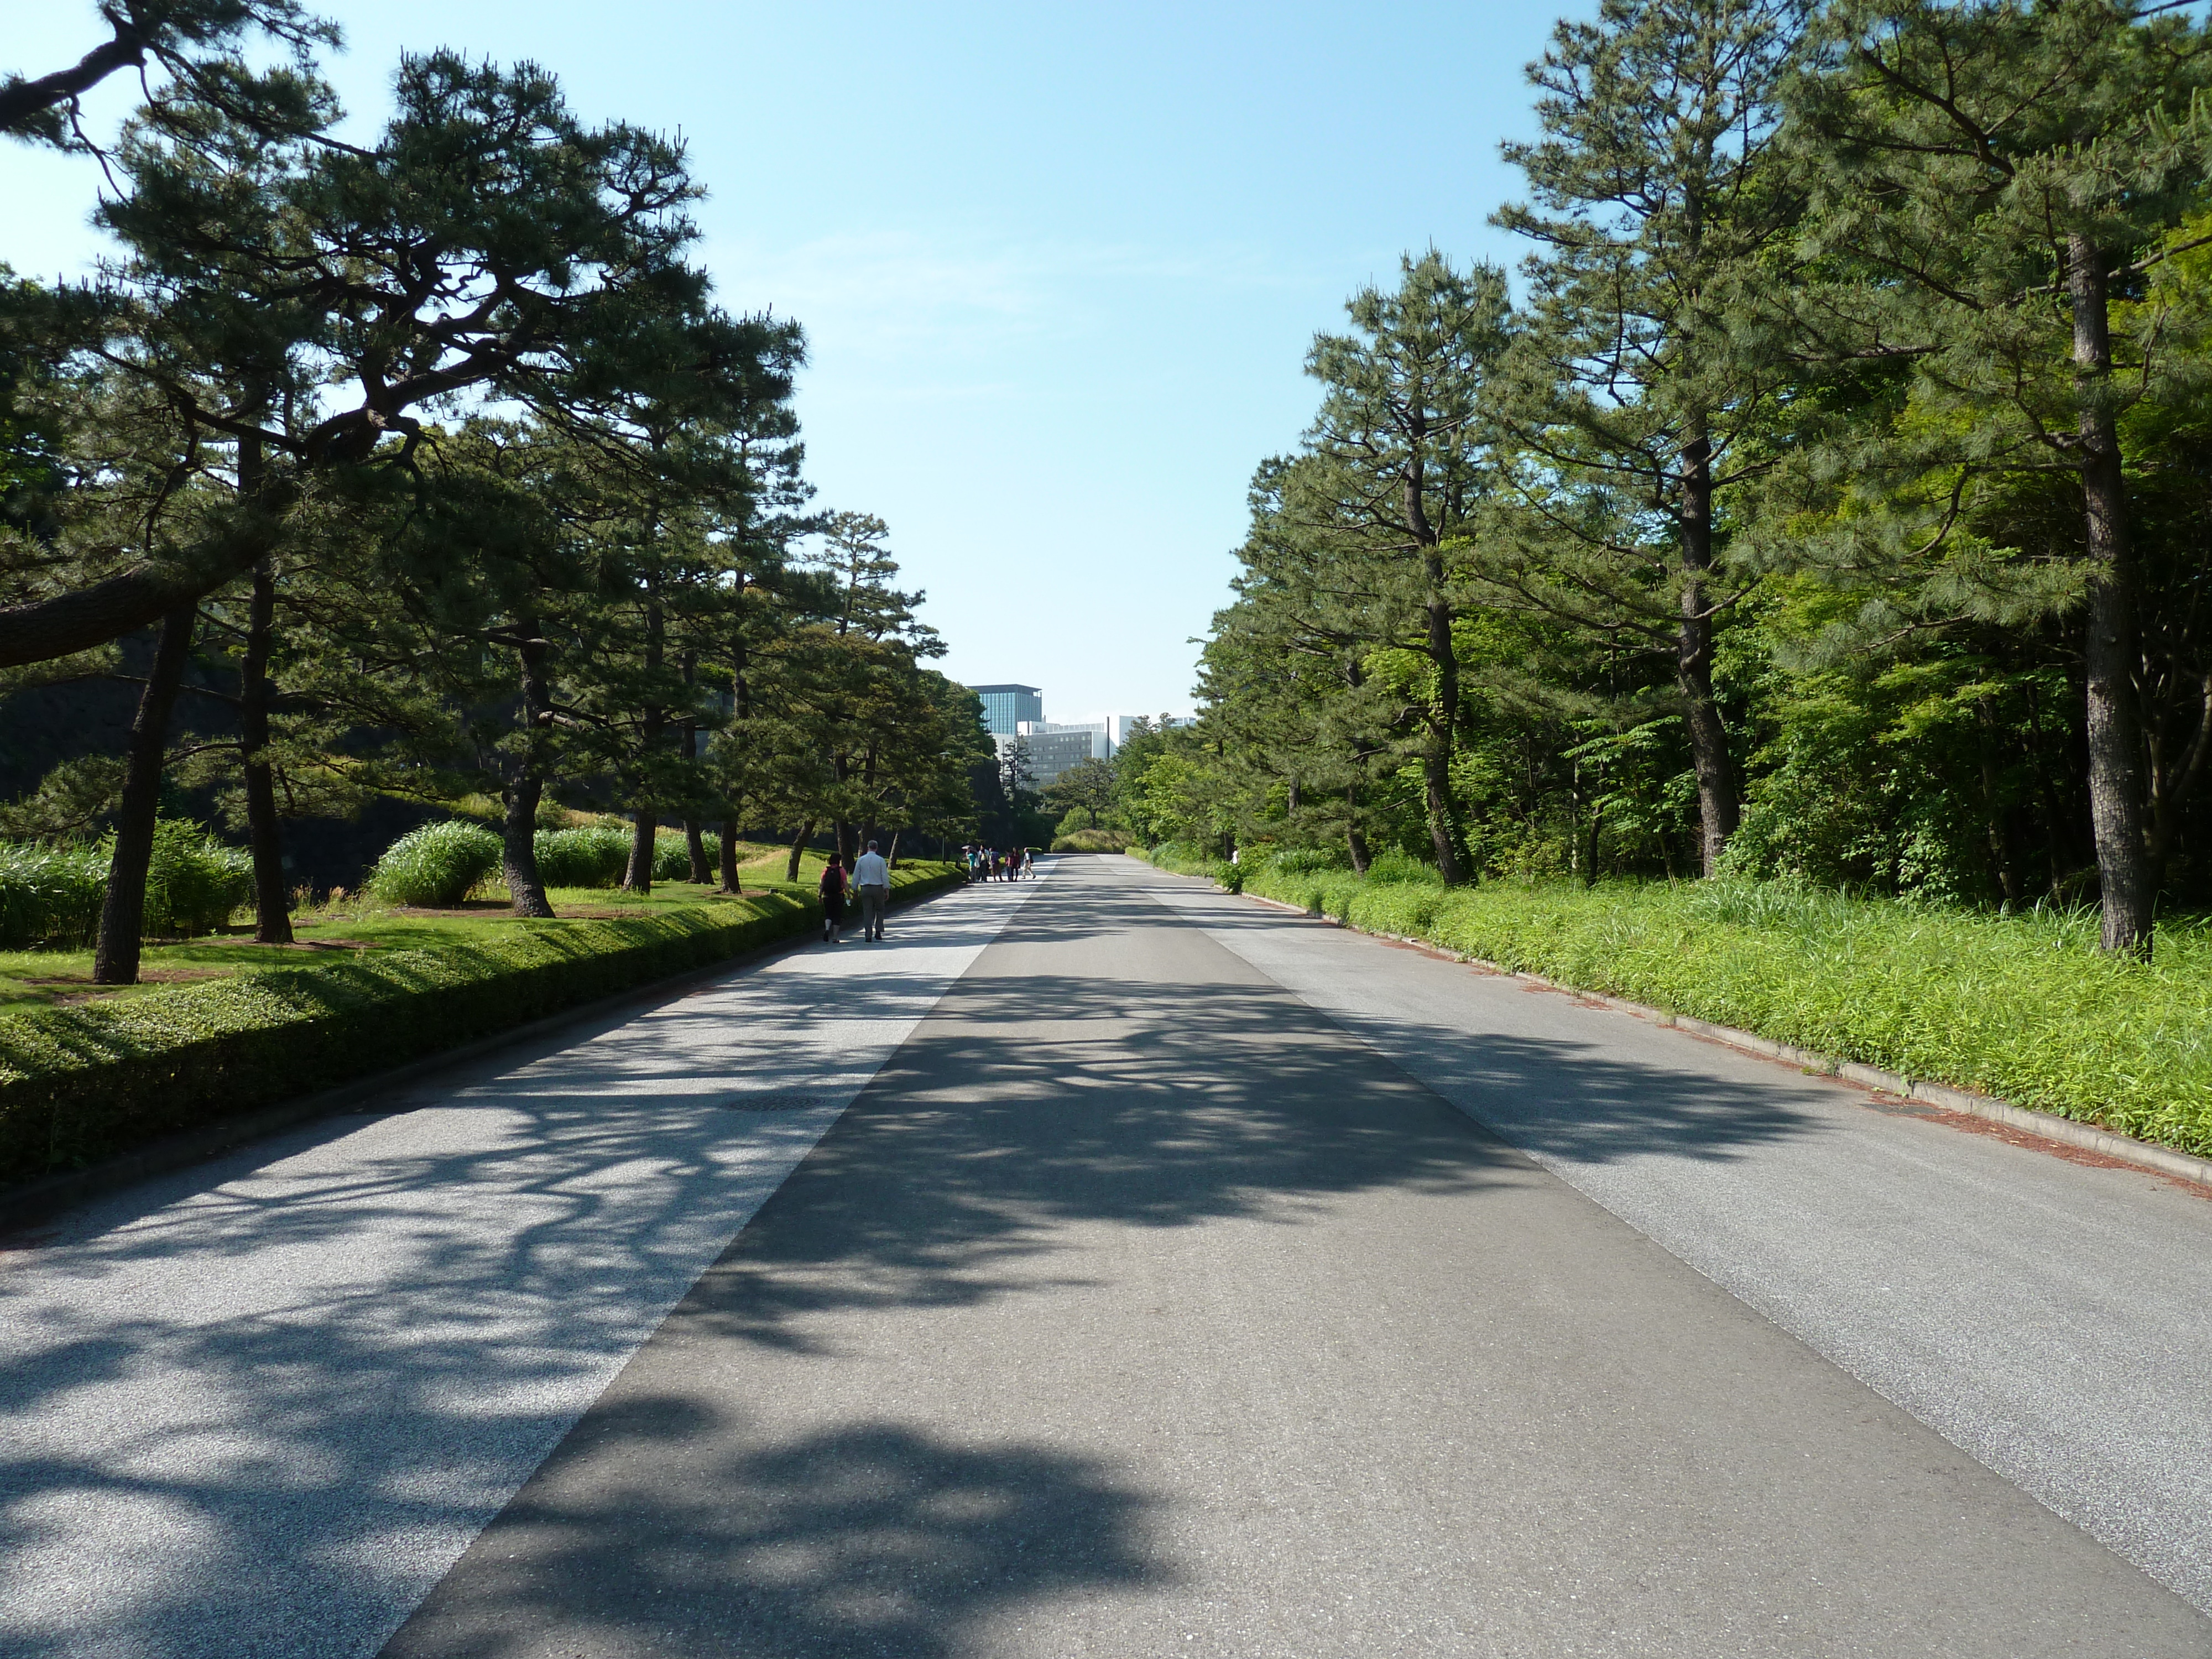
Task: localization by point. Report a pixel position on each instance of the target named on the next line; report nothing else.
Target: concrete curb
(2123, 1149)
(37, 1200)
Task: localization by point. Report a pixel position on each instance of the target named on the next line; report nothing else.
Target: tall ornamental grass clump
(50, 896)
(2023, 1007)
(671, 856)
(435, 866)
(589, 855)
(194, 881)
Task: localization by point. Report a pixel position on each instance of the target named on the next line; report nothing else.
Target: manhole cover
(772, 1103)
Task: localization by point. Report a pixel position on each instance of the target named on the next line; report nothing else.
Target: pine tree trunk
(727, 855)
(2115, 786)
(518, 856)
(638, 877)
(1443, 712)
(518, 847)
(1356, 844)
(123, 912)
(798, 845)
(1718, 808)
(695, 844)
(1443, 722)
(272, 916)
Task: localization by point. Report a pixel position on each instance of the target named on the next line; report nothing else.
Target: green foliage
(194, 881)
(50, 896)
(2023, 1007)
(83, 1083)
(435, 866)
(588, 855)
(1091, 841)
(671, 854)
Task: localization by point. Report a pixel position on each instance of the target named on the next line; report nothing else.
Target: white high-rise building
(1054, 746)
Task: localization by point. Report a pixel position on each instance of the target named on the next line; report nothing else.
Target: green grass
(84, 1082)
(41, 979)
(2022, 1007)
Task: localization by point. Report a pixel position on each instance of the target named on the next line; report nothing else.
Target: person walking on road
(873, 876)
(833, 899)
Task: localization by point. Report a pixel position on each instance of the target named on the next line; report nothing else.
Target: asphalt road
(1183, 1278)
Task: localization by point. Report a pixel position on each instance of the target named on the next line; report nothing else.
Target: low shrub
(590, 855)
(83, 1083)
(2023, 1007)
(435, 866)
(671, 855)
(1308, 860)
(50, 896)
(1092, 841)
(1390, 866)
(194, 881)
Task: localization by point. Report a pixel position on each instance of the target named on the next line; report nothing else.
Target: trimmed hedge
(85, 1083)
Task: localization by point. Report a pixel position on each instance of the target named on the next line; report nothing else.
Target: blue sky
(1059, 265)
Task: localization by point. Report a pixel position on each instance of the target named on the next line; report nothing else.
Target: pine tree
(1994, 182)
(1640, 409)
(1385, 492)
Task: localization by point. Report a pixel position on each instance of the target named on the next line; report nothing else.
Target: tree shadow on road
(662, 1526)
(1080, 1078)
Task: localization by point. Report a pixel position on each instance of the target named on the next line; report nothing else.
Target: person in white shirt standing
(873, 877)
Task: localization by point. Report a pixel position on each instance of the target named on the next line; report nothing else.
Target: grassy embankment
(2022, 1007)
(95, 1077)
(333, 932)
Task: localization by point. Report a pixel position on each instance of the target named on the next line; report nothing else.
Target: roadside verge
(94, 1096)
(1402, 905)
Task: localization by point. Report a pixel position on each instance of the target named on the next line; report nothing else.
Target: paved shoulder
(2046, 1317)
(261, 1406)
(1136, 1308)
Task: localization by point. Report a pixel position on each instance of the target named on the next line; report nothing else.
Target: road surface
(1105, 1265)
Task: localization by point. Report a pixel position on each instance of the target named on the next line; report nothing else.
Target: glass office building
(1005, 706)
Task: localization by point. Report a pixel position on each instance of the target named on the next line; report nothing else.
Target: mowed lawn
(41, 979)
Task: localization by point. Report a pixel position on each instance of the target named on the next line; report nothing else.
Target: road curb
(2049, 1126)
(40, 1200)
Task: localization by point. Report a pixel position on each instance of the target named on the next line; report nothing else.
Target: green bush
(85, 1082)
(436, 865)
(1390, 865)
(1306, 861)
(2023, 1007)
(671, 858)
(1091, 841)
(591, 855)
(194, 881)
(50, 896)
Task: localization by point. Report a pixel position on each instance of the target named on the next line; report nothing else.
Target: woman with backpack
(833, 898)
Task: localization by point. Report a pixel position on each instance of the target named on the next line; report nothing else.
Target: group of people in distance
(870, 882)
(989, 864)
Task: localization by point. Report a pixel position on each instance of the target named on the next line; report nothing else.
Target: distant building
(1054, 748)
(1005, 706)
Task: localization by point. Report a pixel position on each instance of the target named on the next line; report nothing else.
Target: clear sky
(1059, 265)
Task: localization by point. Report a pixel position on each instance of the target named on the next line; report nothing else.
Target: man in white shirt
(872, 877)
